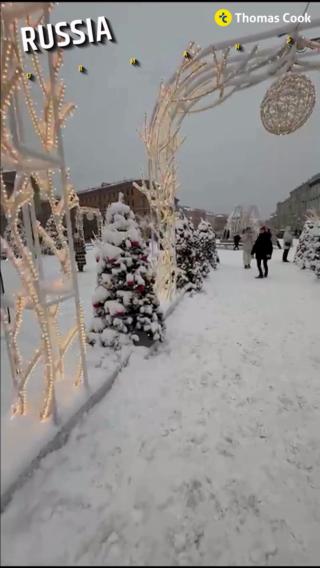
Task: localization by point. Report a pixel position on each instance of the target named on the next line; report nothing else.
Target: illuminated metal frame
(220, 71)
(43, 298)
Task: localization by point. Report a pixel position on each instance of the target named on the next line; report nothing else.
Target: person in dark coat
(262, 249)
(80, 251)
(236, 241)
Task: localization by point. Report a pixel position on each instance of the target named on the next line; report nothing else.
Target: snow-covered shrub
(51, 229)
(188, 255)
(207, 241)
(308, 249)
(124, 301)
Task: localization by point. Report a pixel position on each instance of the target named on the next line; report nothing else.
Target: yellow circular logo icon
(223, 17)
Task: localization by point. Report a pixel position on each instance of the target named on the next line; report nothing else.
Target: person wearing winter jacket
(263, 249)
(236, 242)
(287, 244)
(248, 242)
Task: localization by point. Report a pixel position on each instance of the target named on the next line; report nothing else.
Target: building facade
(293, 210)
(195, 215)
(98, 197)
(101, 196)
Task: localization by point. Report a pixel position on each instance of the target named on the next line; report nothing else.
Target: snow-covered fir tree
(124, 301)
(308, 249)
(188, 255)
(11, 242)
(51, 229)
(200, 255)
(207, 240)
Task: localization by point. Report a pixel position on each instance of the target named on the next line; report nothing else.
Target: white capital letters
(103, 28)
(28, 40)
(65, 42)
(82, 36)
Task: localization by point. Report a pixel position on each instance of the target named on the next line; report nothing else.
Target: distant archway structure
(90, 213)
(242, 217)
(203, 80)
(236, 220)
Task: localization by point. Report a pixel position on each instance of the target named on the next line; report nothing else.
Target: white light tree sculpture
(204, 79)
(235, 221)
(44, 161)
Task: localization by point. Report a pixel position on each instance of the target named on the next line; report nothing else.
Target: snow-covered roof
(105, 185)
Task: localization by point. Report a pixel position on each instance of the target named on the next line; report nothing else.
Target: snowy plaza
(160, 284)
(204, 453)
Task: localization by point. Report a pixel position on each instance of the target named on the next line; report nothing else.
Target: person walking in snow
(287, 244)
(80, 251)
(262, 249)
(236, 241)
(248, 242)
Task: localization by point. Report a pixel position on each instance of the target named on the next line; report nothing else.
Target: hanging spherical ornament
(90, 216)
(287, 104)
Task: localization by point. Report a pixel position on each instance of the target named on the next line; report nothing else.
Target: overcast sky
(228, 157)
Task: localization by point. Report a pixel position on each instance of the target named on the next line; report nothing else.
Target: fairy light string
(213, 73)
(46, 124)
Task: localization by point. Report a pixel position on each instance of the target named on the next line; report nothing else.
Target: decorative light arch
(212, 75)
(88, 212)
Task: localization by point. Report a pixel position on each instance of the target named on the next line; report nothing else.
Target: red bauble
(130, 282)
(96, 305)
(140, 288)
(135, 244)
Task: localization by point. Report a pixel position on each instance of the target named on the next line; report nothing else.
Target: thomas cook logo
(223, 17)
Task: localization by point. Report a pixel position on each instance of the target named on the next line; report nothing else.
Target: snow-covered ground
(24, 437)
(207, 453)
(29, 331)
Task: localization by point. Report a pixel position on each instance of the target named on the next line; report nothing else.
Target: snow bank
(207, 454)
(24, 440)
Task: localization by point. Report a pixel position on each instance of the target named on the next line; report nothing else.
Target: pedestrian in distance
(236, 241)
(262, 249)
(287, 244)
(248, 239)
(80, 251)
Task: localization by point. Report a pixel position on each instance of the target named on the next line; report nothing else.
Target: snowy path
(206, 454)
